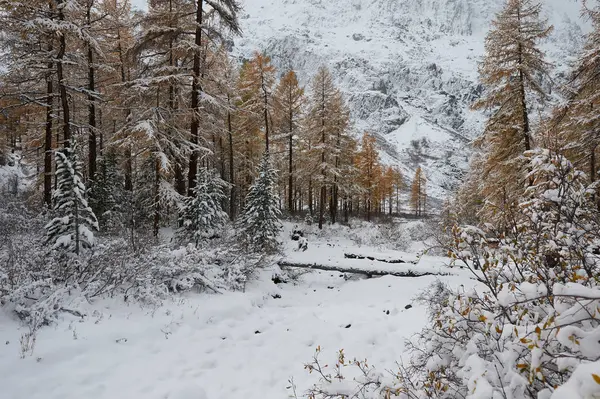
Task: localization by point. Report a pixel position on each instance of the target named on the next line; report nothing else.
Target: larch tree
(327, 124)
(289, 108)
(257, 86)
(575, 126)
(164, 43)
(369, 169)
(418, 192)
(29, 77)
(512, 72)
(225, 12)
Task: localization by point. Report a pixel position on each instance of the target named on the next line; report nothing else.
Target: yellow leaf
(596, 378)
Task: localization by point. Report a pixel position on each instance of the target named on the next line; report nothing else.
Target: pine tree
(259, 223)
(512, 72)
(72, 229)
(203, 215)
(418, 192)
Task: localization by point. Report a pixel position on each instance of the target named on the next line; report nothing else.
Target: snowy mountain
(408, 67)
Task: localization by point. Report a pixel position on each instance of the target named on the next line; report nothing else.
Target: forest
(144, 161)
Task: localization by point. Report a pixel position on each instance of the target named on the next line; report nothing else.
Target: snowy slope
(408, 67)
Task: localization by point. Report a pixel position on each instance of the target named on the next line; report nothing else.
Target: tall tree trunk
(322, 201)
(48, 134)
(310, 197)
(92, 155)
(524, 116)
(232, 194)
(266, 114)
(156, 222)
(196, 90)
(291, 164)
(64, 99)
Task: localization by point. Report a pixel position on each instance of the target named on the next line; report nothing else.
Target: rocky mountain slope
(408, 67)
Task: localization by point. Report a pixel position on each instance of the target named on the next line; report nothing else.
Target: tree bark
(92, 151)
(48, 135)
(196, 90)
(291, 161)
(232, 194)
(64, 99)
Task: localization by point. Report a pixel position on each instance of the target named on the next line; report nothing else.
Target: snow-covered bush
(530, 328)
(534, 318)
(37, 284)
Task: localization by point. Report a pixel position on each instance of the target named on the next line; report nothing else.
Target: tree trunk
(64, 99)
(48, 135)
(156, 224)
(291, 165)
(322, 200)
(196, 90)
(232, 195)
(92, 154)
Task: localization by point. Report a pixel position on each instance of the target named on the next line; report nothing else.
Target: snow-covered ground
(245, 345)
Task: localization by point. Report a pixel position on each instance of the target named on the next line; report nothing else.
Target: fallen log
(376, 258)
(401, 272)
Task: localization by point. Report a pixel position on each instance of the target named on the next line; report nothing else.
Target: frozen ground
(245, 345)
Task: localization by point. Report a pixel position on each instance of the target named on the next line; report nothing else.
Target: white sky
(140, 4)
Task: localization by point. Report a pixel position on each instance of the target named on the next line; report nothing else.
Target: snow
(221, 346)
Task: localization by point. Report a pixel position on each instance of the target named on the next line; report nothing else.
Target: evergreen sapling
(203, 215)
(72, 228)
(259, 224)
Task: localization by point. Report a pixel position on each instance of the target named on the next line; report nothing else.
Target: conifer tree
(576, 124)
(418, 192)
(257, 91)
(72, 229)
(327, 123)
(512, 73)
(203, 215)
(369, 169)
(107, 193)
(259, 223)
(289, 103)
(224, 14)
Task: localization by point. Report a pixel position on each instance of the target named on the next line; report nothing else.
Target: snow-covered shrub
(534, 318)
(530, 328)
